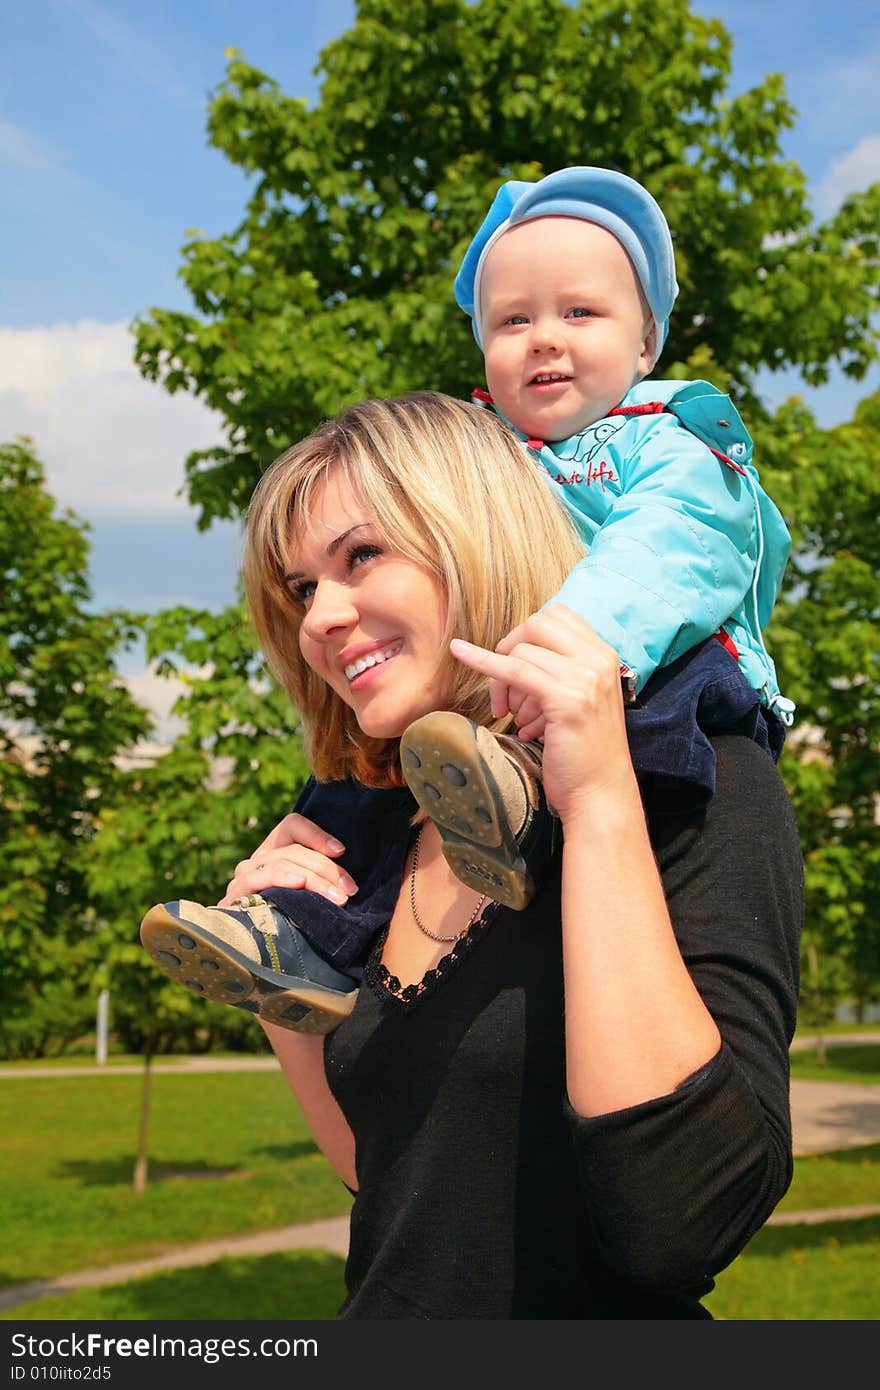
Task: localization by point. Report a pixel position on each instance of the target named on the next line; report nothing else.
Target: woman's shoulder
(742, 849)
(748, 785)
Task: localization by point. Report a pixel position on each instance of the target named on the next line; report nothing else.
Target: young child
(570, 283)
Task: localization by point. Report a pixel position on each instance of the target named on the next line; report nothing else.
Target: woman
(577, 1110)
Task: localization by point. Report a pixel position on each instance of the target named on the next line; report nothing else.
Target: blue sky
(105, 167)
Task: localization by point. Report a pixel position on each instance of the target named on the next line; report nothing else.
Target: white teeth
(363, 663)
(549, 376)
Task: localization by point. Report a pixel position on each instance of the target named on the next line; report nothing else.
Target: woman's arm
(680, 990)
(302, 1060)
(635, 1024)
(678, 1185)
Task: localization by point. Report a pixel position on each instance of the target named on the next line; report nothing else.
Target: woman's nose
(330, 611)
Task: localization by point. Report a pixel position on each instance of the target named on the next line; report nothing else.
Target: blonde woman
(574, 1110)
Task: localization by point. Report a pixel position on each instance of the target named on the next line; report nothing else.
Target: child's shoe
(252, 956)
(484, 793)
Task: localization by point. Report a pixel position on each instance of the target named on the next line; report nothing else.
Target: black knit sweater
(482, 1194)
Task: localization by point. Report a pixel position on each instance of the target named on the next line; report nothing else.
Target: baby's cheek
(497, 365)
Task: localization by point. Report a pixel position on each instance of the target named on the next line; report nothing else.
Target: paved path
(825, 1115)
(830, 1115)
(178, 1068)
(320, 1235)
(182, 1065)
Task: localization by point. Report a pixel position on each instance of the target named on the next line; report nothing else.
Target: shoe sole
(451, 780)
(208, 966)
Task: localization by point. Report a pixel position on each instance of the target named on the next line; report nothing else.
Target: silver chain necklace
(415, 912)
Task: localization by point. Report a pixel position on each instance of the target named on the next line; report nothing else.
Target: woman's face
(374, 621)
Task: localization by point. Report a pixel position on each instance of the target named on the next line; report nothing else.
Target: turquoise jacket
(682, 540)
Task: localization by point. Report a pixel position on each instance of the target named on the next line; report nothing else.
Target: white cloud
(21, 150)
(113, 444)
(852, 173)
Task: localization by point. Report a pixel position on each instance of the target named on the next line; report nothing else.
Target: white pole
(101, 1028)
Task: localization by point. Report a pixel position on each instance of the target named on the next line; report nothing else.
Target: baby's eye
(579, 313)
(516, 319)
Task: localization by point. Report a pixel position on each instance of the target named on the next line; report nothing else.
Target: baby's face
(565, 327)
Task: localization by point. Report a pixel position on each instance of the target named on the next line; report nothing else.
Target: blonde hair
(447, 485)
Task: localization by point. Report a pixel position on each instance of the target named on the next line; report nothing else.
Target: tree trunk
(813, 962)
(140, 1163)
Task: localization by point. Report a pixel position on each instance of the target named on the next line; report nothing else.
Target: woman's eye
(355, 556)
(359, 554)
(301, 593)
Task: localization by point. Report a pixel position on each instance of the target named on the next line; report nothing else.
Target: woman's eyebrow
(331, 548)
(334, 545)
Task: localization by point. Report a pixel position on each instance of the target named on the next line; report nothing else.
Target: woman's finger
(533, 733)
(521, 670)
(295, 858)
(528, 711)
(295, 829)
(499, 699)
(281, 876)
(293, 867)
(556, 624)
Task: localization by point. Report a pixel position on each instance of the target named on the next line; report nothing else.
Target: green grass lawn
(789, 1273)
(845, 1178)
(848, 1062)
(805, 1030)
(229, 1153)
(299, 1284)
(804, 1273)
(125, 1059)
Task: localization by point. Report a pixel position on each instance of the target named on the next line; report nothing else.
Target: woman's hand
(296, 854)
(556, 660)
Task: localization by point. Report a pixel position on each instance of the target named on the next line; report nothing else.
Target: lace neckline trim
(381, 979)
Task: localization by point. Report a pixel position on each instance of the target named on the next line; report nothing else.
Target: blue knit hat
(614, 201)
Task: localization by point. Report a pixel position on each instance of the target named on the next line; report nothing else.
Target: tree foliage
(826, 635)
(183, 821)
(337, 284)
(64, 716)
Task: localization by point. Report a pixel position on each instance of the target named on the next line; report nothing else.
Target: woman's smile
(374, 621)
(366, 664)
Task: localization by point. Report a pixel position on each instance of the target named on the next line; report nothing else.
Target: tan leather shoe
(484, 794)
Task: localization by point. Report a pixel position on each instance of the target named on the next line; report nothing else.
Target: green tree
(826, 634)
(337, 284)
(64, 718)
(179, 824)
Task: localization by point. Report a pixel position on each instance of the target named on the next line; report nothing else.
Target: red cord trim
(724, 459)
(727, 642)
(657, 408)
(650, 408)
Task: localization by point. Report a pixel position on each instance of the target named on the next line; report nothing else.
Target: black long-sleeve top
(482, 1194)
